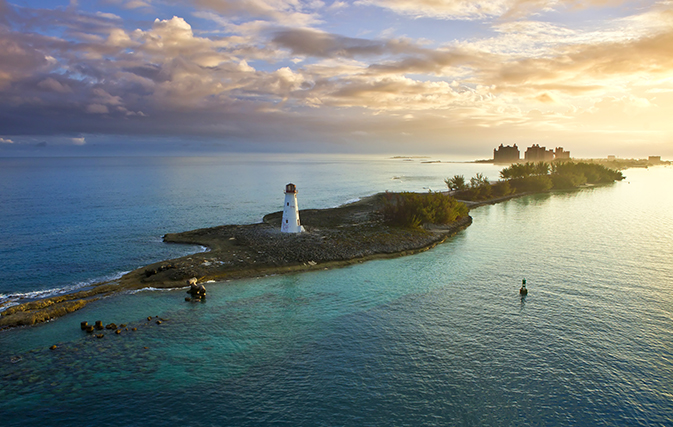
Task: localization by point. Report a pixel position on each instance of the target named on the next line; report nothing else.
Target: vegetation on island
(334, 237)
(532, 177)
(413, 210)
(479, 187)
(391, 224)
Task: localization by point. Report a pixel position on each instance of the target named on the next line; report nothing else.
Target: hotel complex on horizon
(534, 153)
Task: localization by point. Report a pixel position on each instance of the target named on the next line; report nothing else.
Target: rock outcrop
(334, 237)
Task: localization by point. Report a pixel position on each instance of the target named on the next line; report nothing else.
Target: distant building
(561, 154)
(612, 157)
(506, 154)
(654, 159)
(535, 153)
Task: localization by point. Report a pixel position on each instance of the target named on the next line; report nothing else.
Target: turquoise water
(70, 221)
(437, 338)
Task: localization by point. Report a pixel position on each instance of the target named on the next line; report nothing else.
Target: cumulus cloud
(279, 72)
(78, 141)
(6, 141)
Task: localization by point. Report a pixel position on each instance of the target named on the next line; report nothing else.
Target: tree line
(532, 177)
(413, 210)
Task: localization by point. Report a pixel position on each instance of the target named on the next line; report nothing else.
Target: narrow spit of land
(335, 237)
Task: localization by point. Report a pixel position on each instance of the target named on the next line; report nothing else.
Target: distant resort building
(506, 154)
(561, 154)
(611, 157)
(534, 153)
(654, 159)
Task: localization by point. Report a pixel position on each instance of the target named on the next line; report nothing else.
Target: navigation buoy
(523, 291)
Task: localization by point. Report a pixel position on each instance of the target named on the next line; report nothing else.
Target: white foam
(11, 303)
(151, 289)
(348, 202)
(13, 299)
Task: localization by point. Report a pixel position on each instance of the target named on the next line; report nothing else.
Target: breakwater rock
(333, 238)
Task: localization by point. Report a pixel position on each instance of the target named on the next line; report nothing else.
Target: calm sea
(438, 338)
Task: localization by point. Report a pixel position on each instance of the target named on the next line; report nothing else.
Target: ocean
(437, 338)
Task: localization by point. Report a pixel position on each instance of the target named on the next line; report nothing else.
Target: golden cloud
(257, 72)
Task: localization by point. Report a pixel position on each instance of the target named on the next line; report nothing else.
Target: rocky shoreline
(334, 237)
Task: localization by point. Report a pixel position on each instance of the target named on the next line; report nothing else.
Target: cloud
(6, 141)
(68, 72)
(545, 98)
(284, 12)
(442, 9)
(97, 109)
(119, 38)
(5, 12)
(320, 44)
(52, 84)
(574, 69)
(131, 4)
(607, 109)
(135, 4)
(78, 141)
(336, 5)
(481, 9)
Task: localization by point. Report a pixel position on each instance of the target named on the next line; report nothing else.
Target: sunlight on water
(95, 217)
(439, 338)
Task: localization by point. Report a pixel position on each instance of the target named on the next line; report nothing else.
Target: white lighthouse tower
(290, 220)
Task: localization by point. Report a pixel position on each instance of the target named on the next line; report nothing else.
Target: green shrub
(456, 183)
(479, 189)
(481, 192)
(412, 210)
(532, 183)
(502, 189)
(592, 173)
(567, 181)
(542, 176)
(524, 170)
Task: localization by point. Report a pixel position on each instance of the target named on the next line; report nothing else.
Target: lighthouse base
(294, 229)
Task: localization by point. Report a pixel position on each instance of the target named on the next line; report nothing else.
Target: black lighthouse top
(290, 188)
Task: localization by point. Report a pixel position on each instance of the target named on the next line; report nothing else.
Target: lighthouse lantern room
(290, 219)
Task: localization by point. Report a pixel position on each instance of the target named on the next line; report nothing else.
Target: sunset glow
(422, 76)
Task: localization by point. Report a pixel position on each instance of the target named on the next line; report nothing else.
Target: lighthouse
(290, 220)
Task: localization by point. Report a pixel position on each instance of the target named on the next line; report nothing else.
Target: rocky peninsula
(334, 237)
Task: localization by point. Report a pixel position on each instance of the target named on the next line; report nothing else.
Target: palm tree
(542, 168)
(455, 183)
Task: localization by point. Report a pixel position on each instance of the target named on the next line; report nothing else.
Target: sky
(451, 77)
